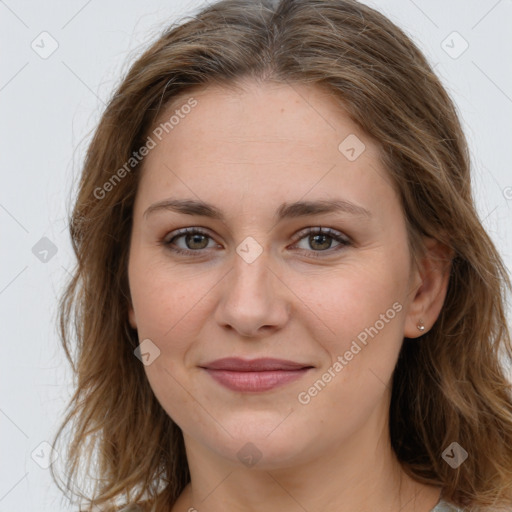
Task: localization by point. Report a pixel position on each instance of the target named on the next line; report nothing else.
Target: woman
(284, 299)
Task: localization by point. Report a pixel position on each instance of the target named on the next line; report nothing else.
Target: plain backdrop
(60, 61)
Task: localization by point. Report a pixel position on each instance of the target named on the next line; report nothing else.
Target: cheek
(170, 312)
(364, 311)
(167, 306)
(173, 305)
(352, 299)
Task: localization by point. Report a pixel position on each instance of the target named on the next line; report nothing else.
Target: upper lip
(253, 365)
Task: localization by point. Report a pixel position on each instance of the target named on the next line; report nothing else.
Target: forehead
(261, 114)
(261, 141)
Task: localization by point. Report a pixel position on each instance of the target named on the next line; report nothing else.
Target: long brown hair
(449, 386)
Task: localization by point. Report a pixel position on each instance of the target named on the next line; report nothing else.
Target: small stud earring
(421, 326)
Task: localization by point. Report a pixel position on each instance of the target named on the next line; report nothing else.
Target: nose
(254, 300)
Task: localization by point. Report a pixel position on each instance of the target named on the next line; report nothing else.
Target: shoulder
(124, 508)
(444, 506)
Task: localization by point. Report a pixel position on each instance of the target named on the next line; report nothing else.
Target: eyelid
(184, 231)
(321, 230)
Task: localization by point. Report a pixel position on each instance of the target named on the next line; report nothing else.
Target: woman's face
(256, 280)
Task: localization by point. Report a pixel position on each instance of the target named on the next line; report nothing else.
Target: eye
(194, 240)
(318, 239)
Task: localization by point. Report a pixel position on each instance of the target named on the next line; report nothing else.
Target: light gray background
(48, 107)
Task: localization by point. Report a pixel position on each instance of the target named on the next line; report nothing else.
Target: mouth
(255, 375)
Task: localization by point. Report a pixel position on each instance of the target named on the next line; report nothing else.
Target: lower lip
(255, 381)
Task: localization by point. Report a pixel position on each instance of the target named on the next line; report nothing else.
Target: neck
(356, 476)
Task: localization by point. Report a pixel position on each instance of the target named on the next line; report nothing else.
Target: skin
(248, 151)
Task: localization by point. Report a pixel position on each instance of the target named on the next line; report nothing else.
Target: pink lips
(256, 374)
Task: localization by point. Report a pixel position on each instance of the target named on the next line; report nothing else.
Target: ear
(131, 317)
(429, 286)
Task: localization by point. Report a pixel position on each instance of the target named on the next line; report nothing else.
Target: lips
(236, 364)
(256, 374)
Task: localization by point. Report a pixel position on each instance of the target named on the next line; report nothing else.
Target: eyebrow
(286, 210)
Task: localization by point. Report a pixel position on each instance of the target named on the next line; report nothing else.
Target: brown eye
(193, 240)
(320, 240)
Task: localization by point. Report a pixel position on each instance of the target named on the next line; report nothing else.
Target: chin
(263, 442)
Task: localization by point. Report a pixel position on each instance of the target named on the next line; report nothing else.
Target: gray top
(442, 506)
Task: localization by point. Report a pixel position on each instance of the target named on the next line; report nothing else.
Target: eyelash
(335, 235)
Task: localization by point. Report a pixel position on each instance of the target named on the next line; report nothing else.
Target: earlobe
(433, 277)
(131, 317)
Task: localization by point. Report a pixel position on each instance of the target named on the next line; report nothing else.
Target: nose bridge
(252, 297)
